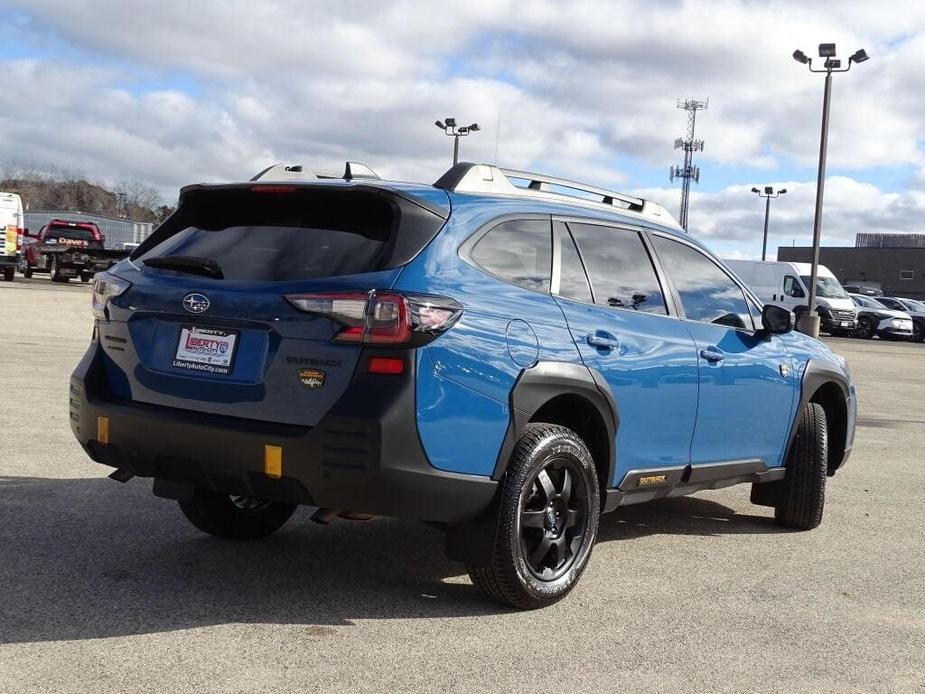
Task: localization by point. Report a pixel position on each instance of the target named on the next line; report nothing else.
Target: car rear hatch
(211, 319)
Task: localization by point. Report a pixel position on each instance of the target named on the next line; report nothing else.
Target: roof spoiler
(289, 172)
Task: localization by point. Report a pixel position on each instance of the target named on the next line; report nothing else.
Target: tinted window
(74, 233)
(619, 267)
(707, 293)
(519, 252)
(296, 234)
(891, 303)
(573, 283)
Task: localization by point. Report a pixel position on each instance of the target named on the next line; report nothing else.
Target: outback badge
(311, 378)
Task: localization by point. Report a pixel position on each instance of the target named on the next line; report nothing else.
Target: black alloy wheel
(866, 328)
(553, 519)
(548, 515)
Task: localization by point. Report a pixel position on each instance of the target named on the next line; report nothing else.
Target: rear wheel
(235, 517)
(54, 267)
(27, 272)
(803, 495)
(9, 273)
(85, 277)
(548, 520)
(918, 331)
(866, 328)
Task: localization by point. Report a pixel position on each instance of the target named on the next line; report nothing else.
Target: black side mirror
(776, 320)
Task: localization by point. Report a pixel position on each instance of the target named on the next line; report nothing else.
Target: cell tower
(688, 171)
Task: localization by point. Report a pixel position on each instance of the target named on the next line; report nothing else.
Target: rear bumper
(9, 260)
(364, 456)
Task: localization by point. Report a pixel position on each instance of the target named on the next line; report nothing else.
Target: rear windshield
(295, 234)
(72, 233)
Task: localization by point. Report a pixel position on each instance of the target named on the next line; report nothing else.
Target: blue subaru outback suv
(503, 354)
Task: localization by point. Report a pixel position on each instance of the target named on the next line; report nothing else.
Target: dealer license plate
(209, 350)
(846, 324)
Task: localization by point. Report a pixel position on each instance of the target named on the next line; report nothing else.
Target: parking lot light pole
(448, 126)
(809, 321)
(767, 194)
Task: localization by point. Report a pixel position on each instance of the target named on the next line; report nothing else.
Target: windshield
(916, 306)
(826, 287)
(865, 301)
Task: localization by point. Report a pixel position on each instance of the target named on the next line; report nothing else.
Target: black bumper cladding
(368, 462)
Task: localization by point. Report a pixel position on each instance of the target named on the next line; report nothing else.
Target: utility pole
(689, 145)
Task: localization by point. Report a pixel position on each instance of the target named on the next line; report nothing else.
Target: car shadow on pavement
(89, 558)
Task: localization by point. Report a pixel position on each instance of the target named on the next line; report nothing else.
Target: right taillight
(381, 317)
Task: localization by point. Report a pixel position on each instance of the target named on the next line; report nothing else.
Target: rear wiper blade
(188, 263)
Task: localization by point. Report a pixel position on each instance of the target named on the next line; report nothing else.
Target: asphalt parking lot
(106, 588)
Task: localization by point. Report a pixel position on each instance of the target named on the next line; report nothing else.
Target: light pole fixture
(768, 195)
(809, 321)
(448, 126)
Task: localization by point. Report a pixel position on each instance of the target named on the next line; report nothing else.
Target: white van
(787, 284)
(11, 223)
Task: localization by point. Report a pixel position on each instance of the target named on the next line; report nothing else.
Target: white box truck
(787, 284)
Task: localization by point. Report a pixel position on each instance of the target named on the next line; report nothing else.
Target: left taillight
(380, 317)
(105, 287)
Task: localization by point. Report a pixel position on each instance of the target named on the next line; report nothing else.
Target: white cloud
(579, 86)
(732, 219)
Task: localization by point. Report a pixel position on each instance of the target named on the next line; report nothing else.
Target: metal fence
(876, 240)
(116, 230)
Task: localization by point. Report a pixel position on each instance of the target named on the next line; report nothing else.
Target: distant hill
(134, 200)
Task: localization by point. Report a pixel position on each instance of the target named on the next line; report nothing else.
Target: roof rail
(466, 177)
(285, 172)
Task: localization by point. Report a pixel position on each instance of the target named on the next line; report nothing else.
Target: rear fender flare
(549, 379)
(473, 543)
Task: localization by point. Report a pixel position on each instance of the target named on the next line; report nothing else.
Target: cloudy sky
(174, 92)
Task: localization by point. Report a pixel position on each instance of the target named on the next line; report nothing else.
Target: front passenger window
(708, 294)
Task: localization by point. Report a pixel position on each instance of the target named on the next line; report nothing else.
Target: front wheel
(235, 517)
(548, 520)
(803, 495)
(866, 328)
(27, 272)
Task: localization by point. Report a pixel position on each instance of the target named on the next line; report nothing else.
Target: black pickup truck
(66, 249)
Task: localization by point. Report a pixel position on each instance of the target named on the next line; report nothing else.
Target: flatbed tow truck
(66, 250)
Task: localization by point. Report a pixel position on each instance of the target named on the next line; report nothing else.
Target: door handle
(602, 340)
(714, 355)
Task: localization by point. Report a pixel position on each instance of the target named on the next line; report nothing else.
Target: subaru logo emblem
(196, 303)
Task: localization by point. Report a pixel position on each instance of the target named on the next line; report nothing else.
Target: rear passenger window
(621, 272)
(573, 282)
(707, 293)
(519, 252)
